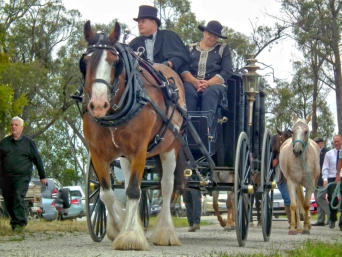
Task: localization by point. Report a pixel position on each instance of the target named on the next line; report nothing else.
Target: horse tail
(222, 221)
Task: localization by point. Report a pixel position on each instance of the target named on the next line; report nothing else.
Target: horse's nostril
(106, 105)
(91, 105)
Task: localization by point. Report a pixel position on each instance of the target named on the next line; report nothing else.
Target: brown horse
(107, 82)
(299, 162)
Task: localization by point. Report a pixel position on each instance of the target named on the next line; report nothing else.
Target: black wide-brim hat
(318, 139)
(148, 12)
(214, 27)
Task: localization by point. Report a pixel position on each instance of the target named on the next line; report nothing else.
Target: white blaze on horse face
(300, 137)
(100, 95)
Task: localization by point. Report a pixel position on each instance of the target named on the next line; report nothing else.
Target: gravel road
(210, 239)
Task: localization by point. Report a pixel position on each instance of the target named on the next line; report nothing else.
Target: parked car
(278, 204)
(54, 191)
(76, 209)
(77, 191)
(49, 211)
(207, 203)
(156, 206)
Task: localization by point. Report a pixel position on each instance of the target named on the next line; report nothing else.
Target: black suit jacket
(321, 161)
(167, 47)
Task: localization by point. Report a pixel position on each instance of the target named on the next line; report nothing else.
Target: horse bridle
(113, 88)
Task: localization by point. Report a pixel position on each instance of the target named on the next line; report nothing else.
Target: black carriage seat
(226, 128)
(201, 121)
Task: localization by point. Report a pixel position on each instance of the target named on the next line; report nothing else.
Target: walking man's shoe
(318, 224)
(18, 229)
(194, 228)
(331, 224)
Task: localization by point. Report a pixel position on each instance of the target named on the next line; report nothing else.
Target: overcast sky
(238, 15)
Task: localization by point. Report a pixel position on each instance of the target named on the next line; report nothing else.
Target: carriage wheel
(243, 207)
(95, 209)
(267, 177)
(144, 207)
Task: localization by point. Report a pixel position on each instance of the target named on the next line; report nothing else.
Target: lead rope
(336, 194)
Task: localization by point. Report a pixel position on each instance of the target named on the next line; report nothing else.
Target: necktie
(148, 37)
(338, 153)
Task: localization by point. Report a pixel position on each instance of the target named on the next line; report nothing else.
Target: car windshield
(75, 193)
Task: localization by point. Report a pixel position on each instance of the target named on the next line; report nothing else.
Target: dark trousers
(205, 101)
(14, 189)
(193, 204)
(333, 213)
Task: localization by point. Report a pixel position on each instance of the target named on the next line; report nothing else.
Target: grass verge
(309, 248)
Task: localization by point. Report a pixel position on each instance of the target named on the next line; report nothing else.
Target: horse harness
(134, 97)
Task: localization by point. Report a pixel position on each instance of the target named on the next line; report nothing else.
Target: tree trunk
(338, 83)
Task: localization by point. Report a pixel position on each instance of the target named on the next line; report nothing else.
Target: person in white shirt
(330, 174)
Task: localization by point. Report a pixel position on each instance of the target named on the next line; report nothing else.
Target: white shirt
(149, 43)
(329, 165)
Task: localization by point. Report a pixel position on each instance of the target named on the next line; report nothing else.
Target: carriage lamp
(251, 85)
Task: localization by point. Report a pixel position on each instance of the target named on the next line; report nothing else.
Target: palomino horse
(122, 114)
(299, 162)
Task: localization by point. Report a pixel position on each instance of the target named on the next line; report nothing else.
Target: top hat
(318, 139)
(148, 12)
(214, 27)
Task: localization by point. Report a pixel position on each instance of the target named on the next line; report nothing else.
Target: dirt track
(209, 240)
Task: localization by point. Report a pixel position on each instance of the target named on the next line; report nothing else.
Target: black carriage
(242, 149)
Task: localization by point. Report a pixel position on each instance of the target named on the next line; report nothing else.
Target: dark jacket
(205, 64)
(18, 156)
(321, 161)
(167, 47)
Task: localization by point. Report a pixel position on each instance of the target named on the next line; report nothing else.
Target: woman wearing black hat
(205, 83)
(209, 69)
(161, 46)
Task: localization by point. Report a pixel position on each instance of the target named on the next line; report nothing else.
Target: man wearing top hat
(320, 196)
(160, 46)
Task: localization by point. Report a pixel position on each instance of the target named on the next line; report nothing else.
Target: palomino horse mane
(104, 90)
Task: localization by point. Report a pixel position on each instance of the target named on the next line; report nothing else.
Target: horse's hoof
(227, 229)
(293, 232)
(306, 232)
(111, 233)
(131, 240)
(165, 236)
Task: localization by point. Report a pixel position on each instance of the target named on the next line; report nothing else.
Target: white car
(77, 191)
(278, 203)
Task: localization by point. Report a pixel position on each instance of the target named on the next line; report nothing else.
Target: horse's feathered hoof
(293, 232)
(131, 240)
(165, 236)
(228, 228)
(306, 232)
(111, 232)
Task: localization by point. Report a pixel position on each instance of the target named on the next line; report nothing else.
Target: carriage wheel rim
(267, 174)
(242, 175)
(96, 215)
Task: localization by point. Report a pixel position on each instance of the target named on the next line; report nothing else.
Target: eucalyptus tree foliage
(320, 20)
(296, 97)
(32, 39)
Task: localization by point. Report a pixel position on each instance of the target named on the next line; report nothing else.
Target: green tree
(297, 98)
(320, 20)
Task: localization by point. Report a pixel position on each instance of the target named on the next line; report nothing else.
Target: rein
(132, 99)
(336, 194)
